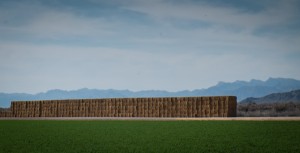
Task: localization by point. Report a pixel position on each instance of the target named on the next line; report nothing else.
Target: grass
(149, 136)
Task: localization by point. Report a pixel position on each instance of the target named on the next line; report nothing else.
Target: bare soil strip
(161, 119)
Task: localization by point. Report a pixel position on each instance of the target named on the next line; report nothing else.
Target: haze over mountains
(241, 89)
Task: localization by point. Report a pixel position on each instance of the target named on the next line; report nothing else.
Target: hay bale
(217, 106)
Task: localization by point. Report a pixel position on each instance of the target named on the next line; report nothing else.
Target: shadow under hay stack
(216, 106)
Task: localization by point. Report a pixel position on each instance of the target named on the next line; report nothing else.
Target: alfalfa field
(57, 136)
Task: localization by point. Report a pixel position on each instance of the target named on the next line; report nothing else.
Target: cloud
(137, 45)
(166, 23)
(220, 15)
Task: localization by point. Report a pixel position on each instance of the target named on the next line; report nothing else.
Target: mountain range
(284, 97)
(241, 89)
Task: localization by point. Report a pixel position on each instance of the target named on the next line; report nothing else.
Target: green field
(149, 136)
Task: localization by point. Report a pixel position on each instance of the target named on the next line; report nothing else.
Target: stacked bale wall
(218, 106)
(5, 113)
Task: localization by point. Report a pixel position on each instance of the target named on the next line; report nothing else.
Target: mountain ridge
(241, 89)
(282, 97)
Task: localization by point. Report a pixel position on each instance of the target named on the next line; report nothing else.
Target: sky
(138, 45)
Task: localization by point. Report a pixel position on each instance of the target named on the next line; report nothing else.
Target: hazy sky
(145, 44)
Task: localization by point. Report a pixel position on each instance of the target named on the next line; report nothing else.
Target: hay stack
(217, 106)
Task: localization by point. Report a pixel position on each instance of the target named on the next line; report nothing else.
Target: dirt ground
(162, 119)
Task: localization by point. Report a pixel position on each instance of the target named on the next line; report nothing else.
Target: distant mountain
(6, 98)
(241, 89)
(253, 88)
(284, 97)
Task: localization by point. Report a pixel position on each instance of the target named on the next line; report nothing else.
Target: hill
(241, 89)
(285, 97)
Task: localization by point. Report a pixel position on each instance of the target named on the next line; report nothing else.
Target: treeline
(268, 109)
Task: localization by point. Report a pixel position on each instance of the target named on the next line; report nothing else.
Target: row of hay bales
(218, 106)
(5, 113)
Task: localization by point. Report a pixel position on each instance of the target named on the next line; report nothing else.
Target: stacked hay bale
(6, 113)
(150, 107)
(134, 107)
(13, 107)
(60, 109)
(20, 109)
(81, 108)
(29, 111)
(75, 108)
(128, 108)
(100, 107)
(218, 106)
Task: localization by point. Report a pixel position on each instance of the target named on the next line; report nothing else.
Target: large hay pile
(217, 106)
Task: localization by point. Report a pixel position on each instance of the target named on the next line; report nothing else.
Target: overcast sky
(145, 44)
